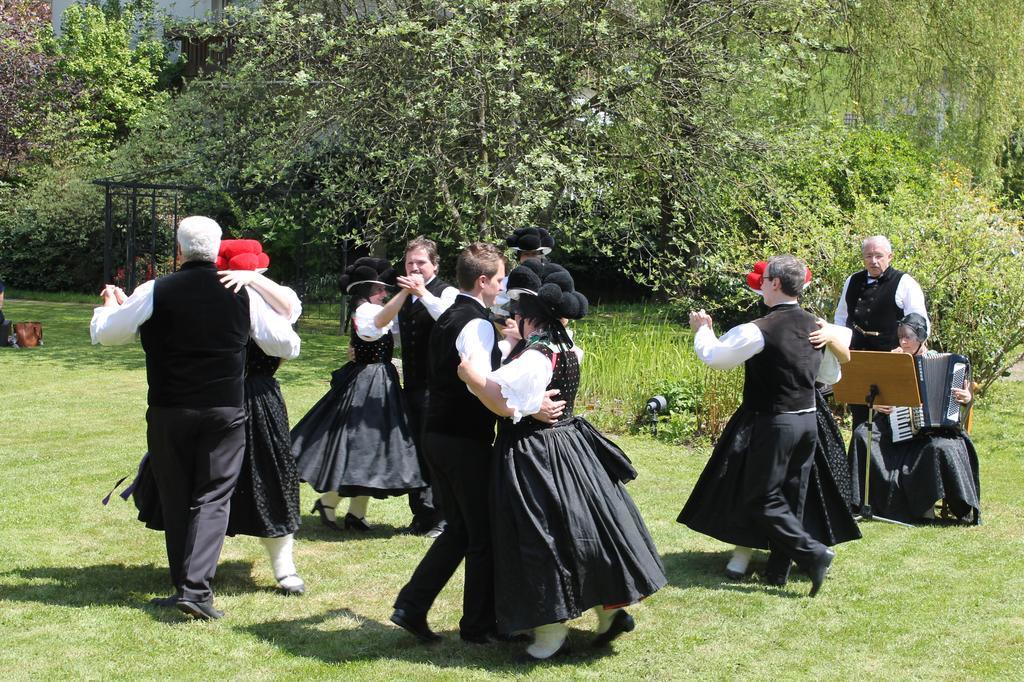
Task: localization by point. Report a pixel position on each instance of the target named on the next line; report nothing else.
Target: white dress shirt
(273, 333)
(476, 340)
(909, 298)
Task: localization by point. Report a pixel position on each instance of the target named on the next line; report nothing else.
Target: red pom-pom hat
(242, 254)
(755, 278)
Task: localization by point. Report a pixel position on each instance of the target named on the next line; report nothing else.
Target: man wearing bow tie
(874, 300)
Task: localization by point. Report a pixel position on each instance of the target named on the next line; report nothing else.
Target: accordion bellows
(937, 375)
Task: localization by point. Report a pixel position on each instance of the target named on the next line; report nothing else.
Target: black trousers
(196, 456)
(776, 480)
(462, 470)
(423, 503)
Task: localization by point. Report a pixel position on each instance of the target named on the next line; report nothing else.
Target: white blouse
(524, 381)
(363, 319)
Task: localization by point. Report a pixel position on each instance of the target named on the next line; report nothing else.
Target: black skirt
(909, 477)
(265, 502)
(716, 508)
(356, 440)
(567, 536)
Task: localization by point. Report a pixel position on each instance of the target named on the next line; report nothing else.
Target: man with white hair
(873, 302)
(194, 331)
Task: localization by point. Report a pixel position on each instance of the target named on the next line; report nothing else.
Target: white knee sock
(547, 639)
(740, 559)
(330, 501)
(357, 506)
(604, 618)
(280, 552)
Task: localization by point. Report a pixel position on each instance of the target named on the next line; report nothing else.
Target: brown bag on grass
(28, 334)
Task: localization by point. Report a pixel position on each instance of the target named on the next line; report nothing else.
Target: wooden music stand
(888, 378)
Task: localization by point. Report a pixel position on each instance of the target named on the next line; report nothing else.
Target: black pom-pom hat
(368, 271)
(531, 239)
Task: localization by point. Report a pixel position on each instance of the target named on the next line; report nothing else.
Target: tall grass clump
(635, 352)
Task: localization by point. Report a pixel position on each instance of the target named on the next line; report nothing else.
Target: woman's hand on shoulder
(236, 279)
(821, 336)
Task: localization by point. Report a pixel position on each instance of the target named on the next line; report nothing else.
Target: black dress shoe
(774, 579)
(165, 602)
(200, 610)
(735, 575)
(435, 531)
(415, 625)
(353, 522)
(621, 622)
(422, 524)
(818, 570)
(318, 508)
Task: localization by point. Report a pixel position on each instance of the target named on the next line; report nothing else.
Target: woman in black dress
(265, 503)
(909, 477)
(566, 534)
(356, 441)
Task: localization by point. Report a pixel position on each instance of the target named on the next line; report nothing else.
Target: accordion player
(937, 375)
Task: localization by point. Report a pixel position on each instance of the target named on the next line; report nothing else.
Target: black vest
(195, 340)
(451, 408)
(781, 377)
(872, 307)
(414, 325)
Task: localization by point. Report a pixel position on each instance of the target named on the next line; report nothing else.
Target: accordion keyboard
(959, 374)
(901, 421)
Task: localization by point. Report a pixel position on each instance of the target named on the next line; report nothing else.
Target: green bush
(834, 188)
(51, 232)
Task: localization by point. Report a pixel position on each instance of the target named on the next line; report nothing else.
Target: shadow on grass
(707, 570)
(317, 637)
(313, 529)
(112, 585)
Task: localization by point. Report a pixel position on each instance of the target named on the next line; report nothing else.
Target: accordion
(937, 376)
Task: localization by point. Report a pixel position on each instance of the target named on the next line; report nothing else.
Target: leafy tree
(119, 67)
(622, 126)
(32, 88)
(946, 74)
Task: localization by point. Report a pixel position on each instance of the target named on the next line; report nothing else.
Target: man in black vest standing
(458, 438)
(780, 368)
(873, 302)
(431, 296)
(194, 331)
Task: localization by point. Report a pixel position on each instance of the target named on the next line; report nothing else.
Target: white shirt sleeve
(296, 304)
(831, 371)
(910, 298)
(475, 342)
(732, 349)
(841, 312)
(271, 332)
(363, 319)
(436, 305)
(523, 382)
(112, 326)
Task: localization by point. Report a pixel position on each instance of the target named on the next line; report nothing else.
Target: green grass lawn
(922, 603)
